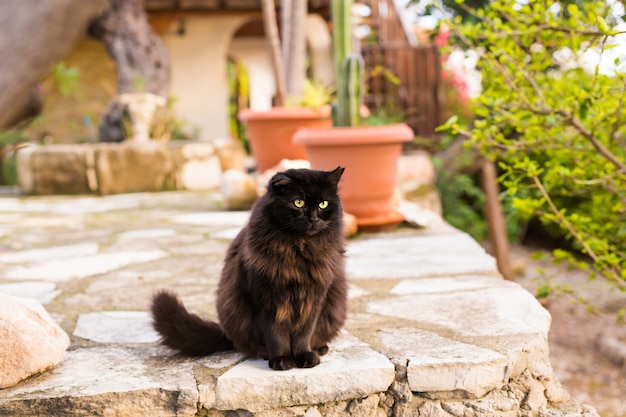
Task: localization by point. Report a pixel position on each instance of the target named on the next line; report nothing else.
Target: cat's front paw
(282, 363)
(321, 350)
(307, 360)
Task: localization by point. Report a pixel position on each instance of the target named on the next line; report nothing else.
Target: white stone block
(417, 256)
(111, 381)
(25, 174)
(439, 364)
(350, 370)
(489, 312)
(116, 327)
(201, 174)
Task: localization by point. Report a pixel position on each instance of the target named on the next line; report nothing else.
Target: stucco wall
(253, 54)
(199, 81)
(199, 78)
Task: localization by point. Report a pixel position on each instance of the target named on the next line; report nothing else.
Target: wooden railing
(405, 80)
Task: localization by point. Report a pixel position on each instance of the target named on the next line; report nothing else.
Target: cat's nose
(314, 217)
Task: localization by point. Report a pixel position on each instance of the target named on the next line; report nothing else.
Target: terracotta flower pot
(370, 155)
(270, 132)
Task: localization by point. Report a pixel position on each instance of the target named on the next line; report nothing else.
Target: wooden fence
(405, 80)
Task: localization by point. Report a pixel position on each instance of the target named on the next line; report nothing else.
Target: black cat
(282, 293)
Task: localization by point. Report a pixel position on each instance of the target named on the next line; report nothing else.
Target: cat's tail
(185, 331)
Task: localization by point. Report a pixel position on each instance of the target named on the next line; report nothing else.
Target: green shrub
(556, 126)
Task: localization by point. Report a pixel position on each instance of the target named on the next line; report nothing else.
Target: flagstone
(417, 256)
(495, 311)
(222, 218)
(440, 364)
(350, 370)
(147, 233)
(44, 292)
(130, 381)
(66, 269)
(54, 252)
(116, 327)
(446, 284)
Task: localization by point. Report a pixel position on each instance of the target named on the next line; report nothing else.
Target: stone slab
(44, 292)
(350, 370)
(67, 269)
(447, 284)
(50, 253)
(129, 167)
(107, 381)
(417, 256)
(221, 218)
(146, 234)
(116, 327)
(497, 311)
(201, 174)
(439, 364)
(227, 234)
(62, 169)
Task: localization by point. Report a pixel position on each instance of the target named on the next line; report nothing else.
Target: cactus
(348, 67)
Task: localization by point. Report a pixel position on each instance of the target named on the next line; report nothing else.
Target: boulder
(59, 169)
(30, 340)
(129, 167)
(238, 189)
(231, 153)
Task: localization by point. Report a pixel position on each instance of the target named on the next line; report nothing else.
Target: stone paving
(433, 329)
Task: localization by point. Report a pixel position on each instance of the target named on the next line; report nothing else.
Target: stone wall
(107, 168)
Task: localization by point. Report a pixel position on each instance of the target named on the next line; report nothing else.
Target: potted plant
(369, 153)
(270, 132)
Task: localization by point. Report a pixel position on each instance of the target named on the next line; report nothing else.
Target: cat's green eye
(298, 203)
(323, 204)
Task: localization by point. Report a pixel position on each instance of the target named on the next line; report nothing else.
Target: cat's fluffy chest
(298, 261)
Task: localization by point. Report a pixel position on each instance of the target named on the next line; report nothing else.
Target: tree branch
(588, 250)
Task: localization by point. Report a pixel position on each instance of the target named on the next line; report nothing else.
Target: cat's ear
(335, 175)
(279, 181)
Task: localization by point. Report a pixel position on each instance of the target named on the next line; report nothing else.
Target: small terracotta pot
(270, 132)
(370, 155)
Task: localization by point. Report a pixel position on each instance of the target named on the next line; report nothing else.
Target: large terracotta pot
(370, 155)
(270, 132)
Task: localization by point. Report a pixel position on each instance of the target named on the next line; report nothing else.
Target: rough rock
(198, 165)
(283, 165)
(62, 169)
(130, 167)
(350, 226)
(415, 170)
(231, 154)
(30, 341)
(239, 190)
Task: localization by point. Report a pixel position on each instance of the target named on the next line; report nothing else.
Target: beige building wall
(253, 54)
(199, 81)
(199, 78)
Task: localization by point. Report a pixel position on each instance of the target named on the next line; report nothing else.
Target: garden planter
(270, 132)
(370, 155)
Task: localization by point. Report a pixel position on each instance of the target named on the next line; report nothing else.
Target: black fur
(282, 293)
